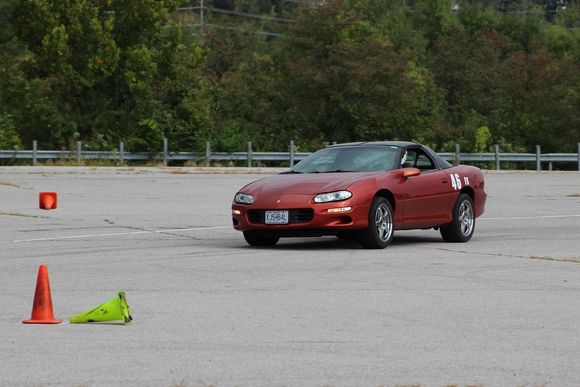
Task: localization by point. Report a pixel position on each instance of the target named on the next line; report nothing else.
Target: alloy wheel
(466, 218)
(383, 222)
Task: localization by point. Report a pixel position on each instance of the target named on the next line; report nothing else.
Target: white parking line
(533, 217)
(119, 234)
(144, 232)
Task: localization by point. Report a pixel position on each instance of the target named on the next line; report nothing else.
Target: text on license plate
(276, 217)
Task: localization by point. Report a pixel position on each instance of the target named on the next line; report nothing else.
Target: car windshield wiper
(289, 172)
(333, 171)
(338, 170)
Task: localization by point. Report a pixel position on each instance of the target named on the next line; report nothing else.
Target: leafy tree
(8, 136)
(104, 71)
(433, 17)
(347, 82)
(527, 97)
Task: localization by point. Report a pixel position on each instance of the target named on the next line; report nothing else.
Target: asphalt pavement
(500, 310)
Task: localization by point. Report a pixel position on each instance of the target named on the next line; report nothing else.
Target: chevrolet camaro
(363, 191)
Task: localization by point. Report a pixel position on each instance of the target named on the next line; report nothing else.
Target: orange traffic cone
(42, 307)
(48, 200)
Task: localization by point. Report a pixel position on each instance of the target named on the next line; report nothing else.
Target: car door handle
(444, 181)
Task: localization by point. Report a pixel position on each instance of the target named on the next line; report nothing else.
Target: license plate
(276, 217)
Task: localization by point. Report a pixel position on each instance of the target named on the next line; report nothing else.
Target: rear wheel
(256, 239)
(463, 224)
(379, 232)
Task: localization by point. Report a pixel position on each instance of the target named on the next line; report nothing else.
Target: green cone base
(112, 310)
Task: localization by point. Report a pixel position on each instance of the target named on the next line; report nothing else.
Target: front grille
(302, 215)
(256, 216)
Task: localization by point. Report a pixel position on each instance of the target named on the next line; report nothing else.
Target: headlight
(243, 198)
(332, 196)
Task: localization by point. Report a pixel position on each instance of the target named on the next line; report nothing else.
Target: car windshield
(350, 159)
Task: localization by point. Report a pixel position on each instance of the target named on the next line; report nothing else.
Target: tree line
(439, 72)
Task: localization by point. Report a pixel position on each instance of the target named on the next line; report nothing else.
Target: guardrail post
(292, 154)
(249, 161)
(165, 152)
(457, 154)
(578, 156)
(538, 159)
(207, 154)
(79, 152)
(496, 148)
(122, 152)
(35, 152)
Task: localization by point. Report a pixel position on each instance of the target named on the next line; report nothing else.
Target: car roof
(401, 144)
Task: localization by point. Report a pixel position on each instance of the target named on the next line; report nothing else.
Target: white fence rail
(291, 156)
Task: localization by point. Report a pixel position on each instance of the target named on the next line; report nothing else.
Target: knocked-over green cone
(112, 310)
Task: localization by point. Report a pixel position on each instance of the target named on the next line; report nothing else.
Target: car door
(427, 197)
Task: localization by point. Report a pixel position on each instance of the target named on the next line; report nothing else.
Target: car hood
(306, 184)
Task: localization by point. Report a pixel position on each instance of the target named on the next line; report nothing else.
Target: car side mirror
(410, 172)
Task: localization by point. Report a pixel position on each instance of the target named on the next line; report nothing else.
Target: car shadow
(414, 239)
(333, 243)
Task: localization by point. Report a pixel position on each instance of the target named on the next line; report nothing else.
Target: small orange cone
(48, 200)
(42, 307)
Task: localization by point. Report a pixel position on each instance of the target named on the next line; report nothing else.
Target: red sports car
(363, 191)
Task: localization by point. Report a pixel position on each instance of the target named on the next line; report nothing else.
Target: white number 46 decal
(456, 180)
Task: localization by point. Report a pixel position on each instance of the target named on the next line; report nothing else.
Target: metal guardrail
(291, 156)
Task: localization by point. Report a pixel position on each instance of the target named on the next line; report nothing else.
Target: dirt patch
(10, 184)
(568, 259)
(4, 213)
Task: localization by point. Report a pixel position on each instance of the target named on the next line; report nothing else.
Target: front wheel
(463, 224)
(256, 239)
(379, 232)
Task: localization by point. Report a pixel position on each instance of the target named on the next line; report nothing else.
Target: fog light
(236, 212)
(341, 209)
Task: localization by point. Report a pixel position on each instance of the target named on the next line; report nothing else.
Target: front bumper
(322, 221)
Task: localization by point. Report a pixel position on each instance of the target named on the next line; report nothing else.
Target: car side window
(424, 163)
(409, 157)
(416, 158)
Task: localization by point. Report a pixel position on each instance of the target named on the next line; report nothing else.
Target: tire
(255, 239)
(461, 228)
(379, 232)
